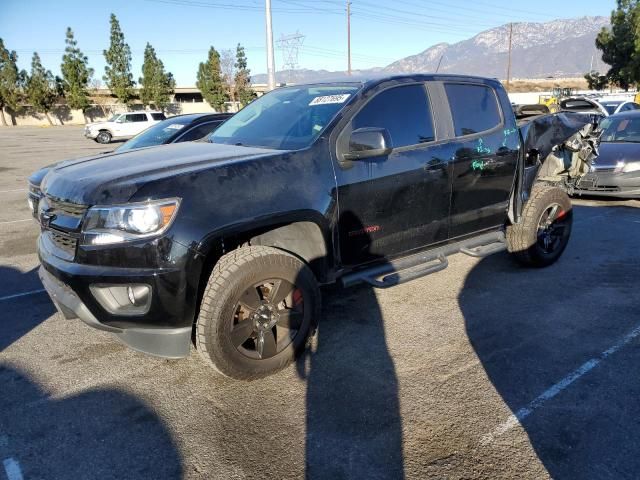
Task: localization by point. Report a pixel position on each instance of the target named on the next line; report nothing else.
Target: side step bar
(419, 265)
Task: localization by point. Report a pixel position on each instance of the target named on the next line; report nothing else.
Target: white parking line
(18, 295)
(17, 221)
(12, 469)
(515, 419)
(16, 190)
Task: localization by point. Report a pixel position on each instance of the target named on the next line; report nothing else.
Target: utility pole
(271, 69)
(509, 61)
(348, 37)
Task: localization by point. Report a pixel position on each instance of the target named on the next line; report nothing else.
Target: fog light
(128, 299)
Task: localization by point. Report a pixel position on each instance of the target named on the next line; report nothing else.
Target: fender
(305, 234)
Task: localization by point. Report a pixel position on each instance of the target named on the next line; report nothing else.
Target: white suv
(122, 125)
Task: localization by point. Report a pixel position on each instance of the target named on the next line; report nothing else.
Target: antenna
(290, 45)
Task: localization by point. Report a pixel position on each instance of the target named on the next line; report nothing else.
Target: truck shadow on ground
(20, 315)
(353, 422)
(103, 433)
(531, 328)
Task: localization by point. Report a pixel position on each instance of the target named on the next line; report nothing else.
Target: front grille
(64, 242)
(66, 208)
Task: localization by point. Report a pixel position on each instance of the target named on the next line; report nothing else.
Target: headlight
(121, 223)
(631, 167)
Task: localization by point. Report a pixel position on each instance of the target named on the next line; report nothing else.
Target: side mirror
(368, 142)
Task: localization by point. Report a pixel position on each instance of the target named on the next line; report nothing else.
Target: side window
(158, 116)
(198, 132)
(403, 111)
(138, 117)
(474, 108)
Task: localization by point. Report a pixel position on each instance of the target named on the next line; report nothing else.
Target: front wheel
(259, 308)
(544, 229)
(103, 137)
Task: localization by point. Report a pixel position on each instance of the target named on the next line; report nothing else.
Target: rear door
(137, 122)
(485, 155)
(396, 203)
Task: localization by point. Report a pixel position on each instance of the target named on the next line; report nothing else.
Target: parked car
(616, 171)
(181, 128)
(374, 180)
(122, 126)
(582, 105)
(613, 107)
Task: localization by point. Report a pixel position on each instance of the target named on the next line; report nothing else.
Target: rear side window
(474, 108)
(136, 117)
(403, 111)
(199, 131)
(158, 116)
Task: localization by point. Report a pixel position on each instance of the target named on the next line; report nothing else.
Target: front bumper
(610, 184)
(164, 331)
(90, 134)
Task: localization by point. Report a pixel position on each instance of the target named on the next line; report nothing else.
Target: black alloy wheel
(267, 318)
(551, 228)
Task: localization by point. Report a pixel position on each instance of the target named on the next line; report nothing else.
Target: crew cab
(373, 180)
(122, 126)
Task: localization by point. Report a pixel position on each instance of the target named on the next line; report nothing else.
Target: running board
(484, 250)
(419, 265)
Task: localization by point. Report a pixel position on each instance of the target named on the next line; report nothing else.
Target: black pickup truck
(226, 242)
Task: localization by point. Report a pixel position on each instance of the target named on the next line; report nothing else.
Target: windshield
(611, 107)
(287, 119)
(155, 135)
(114, 118)
(624, 129)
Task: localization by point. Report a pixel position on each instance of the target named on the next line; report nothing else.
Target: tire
(242, 301)
(544, 230)
(103, 137)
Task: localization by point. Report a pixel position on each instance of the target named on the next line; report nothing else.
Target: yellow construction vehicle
(558, 93)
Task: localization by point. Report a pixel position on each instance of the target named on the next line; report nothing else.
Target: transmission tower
(290, 45)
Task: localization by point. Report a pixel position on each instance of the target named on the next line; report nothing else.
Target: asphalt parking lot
(486, 370)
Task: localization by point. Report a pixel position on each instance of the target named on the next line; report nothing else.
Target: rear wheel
(103, 137)
(259, 308)
(544, 230)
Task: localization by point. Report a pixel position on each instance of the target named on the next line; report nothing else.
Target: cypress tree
(210, 81)
(118, 75)
(9, 81)
(42, 88)
(244, 93)
(76, 74)
(156, 84)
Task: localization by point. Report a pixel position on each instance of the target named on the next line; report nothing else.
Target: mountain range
(559, 48)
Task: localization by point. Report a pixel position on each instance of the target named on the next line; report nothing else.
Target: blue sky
(182, 30)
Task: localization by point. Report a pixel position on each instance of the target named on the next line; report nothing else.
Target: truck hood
(97, 124)
(115, 177)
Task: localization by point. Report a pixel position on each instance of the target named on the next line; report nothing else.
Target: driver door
(392, 204)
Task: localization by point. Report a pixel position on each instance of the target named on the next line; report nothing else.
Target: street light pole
(509, 60)
(271, 69)
(348, 37)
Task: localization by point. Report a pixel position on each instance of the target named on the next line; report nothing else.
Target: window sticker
(175, 126)
(328, 99)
